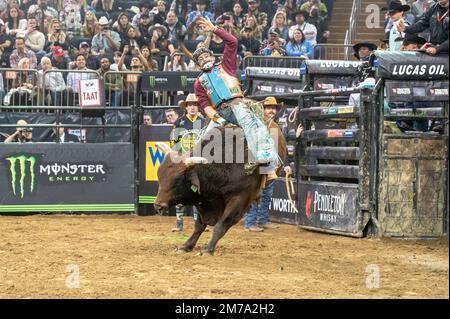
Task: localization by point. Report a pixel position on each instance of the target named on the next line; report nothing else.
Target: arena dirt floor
(121, 256)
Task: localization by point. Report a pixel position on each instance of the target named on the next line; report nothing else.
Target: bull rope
(289, 186)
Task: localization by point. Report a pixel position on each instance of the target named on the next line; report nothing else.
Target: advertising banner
(150, 159)
(168, 81)
(329, 206)
(39, 177)
(281, 209)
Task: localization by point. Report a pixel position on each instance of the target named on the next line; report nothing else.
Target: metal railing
(351, 31)
(272, 61)
(325, 51)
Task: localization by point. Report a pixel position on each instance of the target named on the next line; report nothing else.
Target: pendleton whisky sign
(66, 177)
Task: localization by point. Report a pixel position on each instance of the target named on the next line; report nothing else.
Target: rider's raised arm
(229, 60)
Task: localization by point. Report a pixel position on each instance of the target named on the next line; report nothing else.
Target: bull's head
(178, 181)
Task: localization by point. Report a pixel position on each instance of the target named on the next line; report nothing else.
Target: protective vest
(220, 86)
(185, 133)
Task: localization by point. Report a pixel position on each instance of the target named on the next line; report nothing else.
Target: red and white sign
(90, 93)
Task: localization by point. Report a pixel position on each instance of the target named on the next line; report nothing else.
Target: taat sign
(90, 95)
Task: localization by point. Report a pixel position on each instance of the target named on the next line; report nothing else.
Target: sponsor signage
(152, 158)
(411, 66)
(281, 209)
(169, 81)
(66, 177)
(273, 73)
(332, 67)
(417, 91)
(329, 206)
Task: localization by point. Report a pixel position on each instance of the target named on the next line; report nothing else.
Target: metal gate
(413, 162)
(333, 164)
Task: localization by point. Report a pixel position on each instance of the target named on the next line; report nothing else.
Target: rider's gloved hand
(220, 120)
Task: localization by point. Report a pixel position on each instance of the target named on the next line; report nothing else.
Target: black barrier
(168, 81)
(261, 81)
(89, 130)
(40, 177)
(331, 74)
(281, 208)
(150, 158)
(333, 163)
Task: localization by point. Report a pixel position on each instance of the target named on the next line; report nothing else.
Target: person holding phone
(21, 135)
(436, 20)
(105, 41)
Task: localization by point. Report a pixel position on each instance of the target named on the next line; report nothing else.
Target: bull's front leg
(232, 214)
(199, 228)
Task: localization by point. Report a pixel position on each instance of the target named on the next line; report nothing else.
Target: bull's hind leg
(199, 228)
(232, 214)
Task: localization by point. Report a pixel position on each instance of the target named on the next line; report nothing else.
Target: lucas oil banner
(150, 159)
(66, 177)
(329, 206)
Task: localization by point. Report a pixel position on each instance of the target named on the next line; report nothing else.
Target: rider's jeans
(255, 131)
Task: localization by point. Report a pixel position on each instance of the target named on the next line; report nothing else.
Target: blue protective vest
(220, 86)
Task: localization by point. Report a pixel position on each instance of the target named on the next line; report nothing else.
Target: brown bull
(222, 192)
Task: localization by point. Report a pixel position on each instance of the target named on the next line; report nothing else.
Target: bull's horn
(163, 147)
(190, 161)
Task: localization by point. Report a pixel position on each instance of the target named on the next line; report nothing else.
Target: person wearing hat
(184, 135)
(92, 61)
(436, 20)
(363, 50)
(257, 218)
(321, 6)
(411, 42)
(160, 39)
(222, 100)
(200, 6)
(396, 11)
(105, 41)
(254, 8)
(21, 135)
(250, 45)
(274, 45)
(308, 29)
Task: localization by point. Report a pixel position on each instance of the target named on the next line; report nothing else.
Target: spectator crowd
(118, 35)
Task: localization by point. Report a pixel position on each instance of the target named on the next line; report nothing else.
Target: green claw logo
(22, 160)
(152, 80)
(183, 80)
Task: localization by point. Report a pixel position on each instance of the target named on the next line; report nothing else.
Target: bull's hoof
(205, 253)
(183, 249)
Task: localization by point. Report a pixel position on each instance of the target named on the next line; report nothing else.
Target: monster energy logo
(183, 80)
(23, 172)
(152, 80)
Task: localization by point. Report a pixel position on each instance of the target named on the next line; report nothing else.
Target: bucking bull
(222, 192)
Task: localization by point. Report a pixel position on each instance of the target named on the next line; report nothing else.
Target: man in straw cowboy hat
(183, 137)
(105, 41)
(220, 96)
(257, 218)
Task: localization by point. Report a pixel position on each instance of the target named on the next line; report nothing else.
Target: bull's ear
(163, 147)
(195, 182)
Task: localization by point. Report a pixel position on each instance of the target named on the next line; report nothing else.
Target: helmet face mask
(208, 63)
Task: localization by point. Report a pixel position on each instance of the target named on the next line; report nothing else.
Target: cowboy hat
(272, 101)
(412, 39)
(190, 98)
(103, 21)
(157, 26)
(357, 46)
(396, 6)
